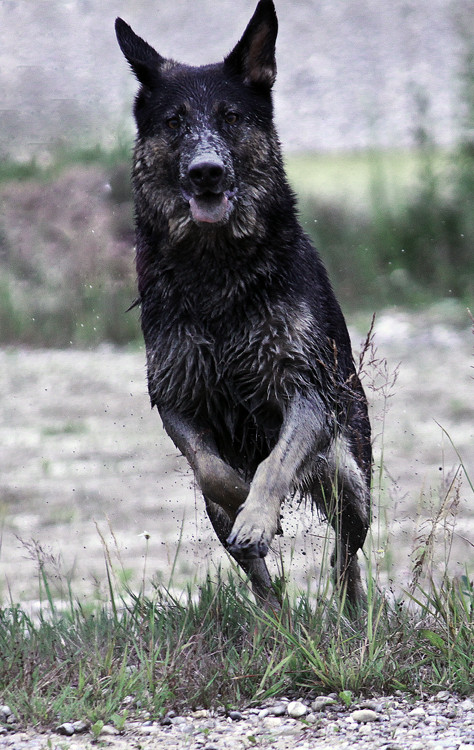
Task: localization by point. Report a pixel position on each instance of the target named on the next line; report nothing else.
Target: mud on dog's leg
(256, 570)
(304, 433)
(217, 480)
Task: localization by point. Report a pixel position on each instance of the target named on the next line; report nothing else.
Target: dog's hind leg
(256, 570)
(344, 497)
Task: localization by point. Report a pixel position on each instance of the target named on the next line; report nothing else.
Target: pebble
(278, 710)
(108, 731)
(235, 715)
(364, 715)
(80, 726)
(67, 728)
(322, 702)
(444, 722)
(5, 712)
(419, 711)
(296, 709)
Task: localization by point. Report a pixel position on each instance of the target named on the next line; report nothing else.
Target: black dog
(249, 359)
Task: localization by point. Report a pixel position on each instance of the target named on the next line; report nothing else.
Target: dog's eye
(173, 123)
(231, 118)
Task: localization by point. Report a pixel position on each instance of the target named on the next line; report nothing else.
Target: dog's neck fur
(232, 258)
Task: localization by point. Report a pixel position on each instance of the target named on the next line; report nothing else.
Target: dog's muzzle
(208, 199)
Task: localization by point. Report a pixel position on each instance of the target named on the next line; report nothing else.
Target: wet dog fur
(248, 355)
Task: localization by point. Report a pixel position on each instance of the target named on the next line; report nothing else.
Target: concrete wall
(350, 71)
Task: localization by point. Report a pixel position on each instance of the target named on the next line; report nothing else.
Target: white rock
(296, 709)
(418, 711)
(108, 731)
(272, 722)
(201, 713)
(364, 715)
(80, 726)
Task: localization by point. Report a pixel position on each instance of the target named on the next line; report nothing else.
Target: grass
(400, 231)
(349, 177)
(214, 648)
(394, 228)
(211, 646)
(137, 655)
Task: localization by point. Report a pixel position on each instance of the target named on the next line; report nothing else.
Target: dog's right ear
(143, 59)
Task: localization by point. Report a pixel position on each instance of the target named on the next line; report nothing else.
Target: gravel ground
(79, 445)
(80, 449)
(443, 722)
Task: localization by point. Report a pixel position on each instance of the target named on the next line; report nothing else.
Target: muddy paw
(247, 546)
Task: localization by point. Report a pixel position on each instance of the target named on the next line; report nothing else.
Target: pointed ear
(143, 59)
(254, 56)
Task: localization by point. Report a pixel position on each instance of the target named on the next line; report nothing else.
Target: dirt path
(79, 446)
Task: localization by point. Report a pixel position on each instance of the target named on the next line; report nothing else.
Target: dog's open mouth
(210, 208)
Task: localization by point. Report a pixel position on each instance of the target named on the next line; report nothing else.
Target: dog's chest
(240, 361)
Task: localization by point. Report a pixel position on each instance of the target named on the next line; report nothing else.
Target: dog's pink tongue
(210, 209)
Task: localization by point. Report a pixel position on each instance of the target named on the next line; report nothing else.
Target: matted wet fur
(249, 359)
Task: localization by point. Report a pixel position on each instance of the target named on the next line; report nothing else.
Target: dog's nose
(206, 174)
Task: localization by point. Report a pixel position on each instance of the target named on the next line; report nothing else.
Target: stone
(363, 715)
(272, 722)
(235, 715)
(278, 710)
(373, 705)
(321, 702)
(296, 709)
(108, 731)
(201, 713)
(418, 712)
(67, 729)
(80, 726)
(178, 720)
(5, 712)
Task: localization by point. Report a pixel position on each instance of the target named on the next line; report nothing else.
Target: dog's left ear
(253, 57)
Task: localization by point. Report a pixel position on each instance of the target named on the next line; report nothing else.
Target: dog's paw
(248, 540)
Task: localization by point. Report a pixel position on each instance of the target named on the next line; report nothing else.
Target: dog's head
(204, 133)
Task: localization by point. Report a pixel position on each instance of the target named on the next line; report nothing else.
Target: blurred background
(375, 106)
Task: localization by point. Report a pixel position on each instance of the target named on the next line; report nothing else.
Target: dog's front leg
(305, 433)
(216, 479)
